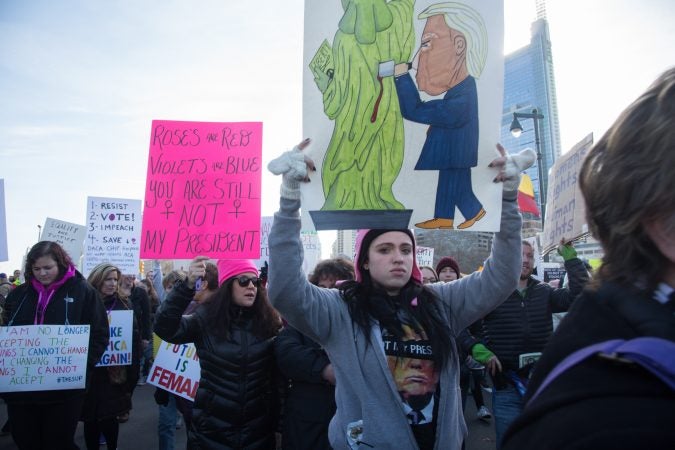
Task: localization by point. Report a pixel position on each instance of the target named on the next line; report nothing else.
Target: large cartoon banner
(565, 207)
(403, 101)
(69, 235)
(43, 357)
(113, 233)
(202, 193)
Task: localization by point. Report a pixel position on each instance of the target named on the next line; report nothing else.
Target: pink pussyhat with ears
(228, 268)
(365, 237)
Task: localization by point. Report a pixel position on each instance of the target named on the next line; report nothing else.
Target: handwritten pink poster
(202, 193)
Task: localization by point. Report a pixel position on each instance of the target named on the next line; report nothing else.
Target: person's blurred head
(528, 260)
(627, 184)
(448, 269)
(329, 271)
(46, 262)
(127, 283)
(105, 278)
(209, 284)
(428, 275)
(171, 278)
(386, 259)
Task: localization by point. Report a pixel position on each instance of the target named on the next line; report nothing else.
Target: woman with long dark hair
(236, 402)
(390, 338)
(54, 293)
(109, 394)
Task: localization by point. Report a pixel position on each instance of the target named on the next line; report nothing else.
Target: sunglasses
(244, 281)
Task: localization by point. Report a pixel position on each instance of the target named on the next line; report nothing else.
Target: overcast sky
(81, 81)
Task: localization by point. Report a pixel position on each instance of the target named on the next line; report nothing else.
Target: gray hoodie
(369, 409)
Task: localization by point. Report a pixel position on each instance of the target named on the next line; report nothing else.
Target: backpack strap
(655, 355)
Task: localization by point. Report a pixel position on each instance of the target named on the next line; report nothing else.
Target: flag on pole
(526, 201)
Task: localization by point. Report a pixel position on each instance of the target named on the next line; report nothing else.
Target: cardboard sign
(553, 271)
(565, 208)
(425, 256)
(113, 233)
(118, 353)
(43, 357)
(311, 249)
(310, 243)
(176, 369)
(265, 228)
(68, 235)
(388, 145)
(202, 192)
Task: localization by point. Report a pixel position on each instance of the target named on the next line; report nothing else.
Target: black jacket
(140, 301)
(524, 324)
(85, 309)
(600, 404)
(107, 398)
(310, 400)
(236, 405)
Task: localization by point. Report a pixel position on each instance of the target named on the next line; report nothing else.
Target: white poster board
(310, 242)
(113, 233)
(176, 369)
(43, 357)
(565, 208)
(68, 235)
(265, 227)
(118, 353)
(425, 256)
(312, 250)
(367, 148)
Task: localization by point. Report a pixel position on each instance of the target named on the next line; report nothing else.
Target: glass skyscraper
(529, 84)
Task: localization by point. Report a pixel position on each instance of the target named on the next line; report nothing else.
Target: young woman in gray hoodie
(390, 339)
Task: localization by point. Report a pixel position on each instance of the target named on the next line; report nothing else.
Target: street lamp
(516, 131)
(39, 232)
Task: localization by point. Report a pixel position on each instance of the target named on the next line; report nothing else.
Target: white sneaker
(484, 413)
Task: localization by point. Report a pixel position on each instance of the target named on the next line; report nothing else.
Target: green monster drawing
(365, 153)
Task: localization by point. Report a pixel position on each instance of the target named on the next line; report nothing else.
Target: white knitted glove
(293, 165)
(515, 164)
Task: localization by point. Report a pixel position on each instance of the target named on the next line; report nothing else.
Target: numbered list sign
(202, 193)
(113, 233)
(43, 357)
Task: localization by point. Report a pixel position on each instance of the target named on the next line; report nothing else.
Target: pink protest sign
(202, 193)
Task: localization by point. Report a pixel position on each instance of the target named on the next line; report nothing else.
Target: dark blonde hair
(627, 180)
(99, 273)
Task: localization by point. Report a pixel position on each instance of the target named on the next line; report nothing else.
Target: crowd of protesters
(377, 352)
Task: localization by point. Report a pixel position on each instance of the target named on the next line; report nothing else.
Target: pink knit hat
(228, 268)
(368, 236)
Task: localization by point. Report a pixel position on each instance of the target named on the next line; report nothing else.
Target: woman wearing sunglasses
(236, 402)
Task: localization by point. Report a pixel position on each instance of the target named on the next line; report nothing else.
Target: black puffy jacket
(236, 405)
(600, 403)
(523, 323)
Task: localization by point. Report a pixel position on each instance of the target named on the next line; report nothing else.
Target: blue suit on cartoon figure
(451, 146)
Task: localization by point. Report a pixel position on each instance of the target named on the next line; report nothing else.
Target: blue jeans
(166, 426)
(506, 406)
